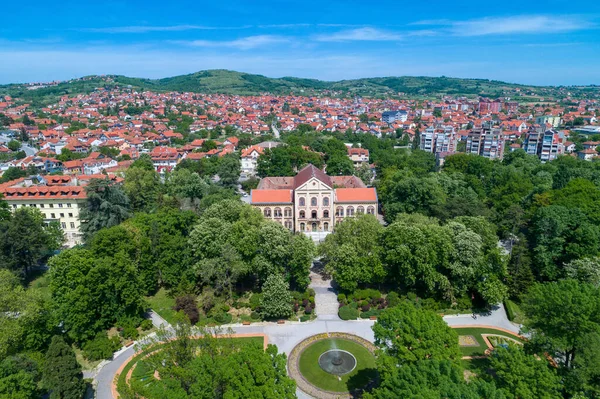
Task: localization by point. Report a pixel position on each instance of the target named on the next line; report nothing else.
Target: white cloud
(245, 43)
(146, 29)
(360, 34)
(516, 24)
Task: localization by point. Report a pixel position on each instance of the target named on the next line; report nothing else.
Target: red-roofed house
(249, 159)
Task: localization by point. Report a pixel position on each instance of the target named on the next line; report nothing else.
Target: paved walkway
(326, 304)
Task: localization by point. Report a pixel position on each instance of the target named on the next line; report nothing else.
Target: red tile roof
(271, 196)
(356, 195)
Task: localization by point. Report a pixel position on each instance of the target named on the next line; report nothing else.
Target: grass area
(85, 363)
(162, 304)
(359, 377)
(39, 280)
(476, 333)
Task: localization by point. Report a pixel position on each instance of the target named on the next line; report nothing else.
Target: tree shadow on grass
(363, 381)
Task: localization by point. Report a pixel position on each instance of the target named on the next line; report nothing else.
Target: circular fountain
(337, 362)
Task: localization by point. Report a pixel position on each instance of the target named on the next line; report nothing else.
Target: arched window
(313, 214)
(360, 210)
(302, 227)
(287, 212)
(314, 227)
(301, 201)
(302, 215)
(350, 211)
(267, 212)
(277, 212)
(325, 213)
(326, 201)
(326, 226)
(371, 210)
(313, 201)
(339, 211)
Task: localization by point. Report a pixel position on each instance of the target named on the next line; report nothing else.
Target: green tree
(584, 270)
(62, 374)
(106, 206)
(92, 293)
(14, 145)
(26, 239)
(229, 170)
(143, 162)
(187, 186)
(561, 314)
(142, 187)
(409, 334)
(276, 300)
(303, 251)
(340, 165)
(560, 235)
(20, 376)
(429, 379)
(522, 376)
(352, 252)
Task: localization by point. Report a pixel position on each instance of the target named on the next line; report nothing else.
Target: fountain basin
(337, 361)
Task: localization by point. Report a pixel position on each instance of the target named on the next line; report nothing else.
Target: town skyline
(509, 41)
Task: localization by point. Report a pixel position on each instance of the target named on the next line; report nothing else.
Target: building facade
(547, 145)
(59, 199)
(486, 142)
(312, 201)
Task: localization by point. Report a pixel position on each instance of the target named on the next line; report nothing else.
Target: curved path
(287, 336)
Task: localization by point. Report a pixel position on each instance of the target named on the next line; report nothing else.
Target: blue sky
(517, 41)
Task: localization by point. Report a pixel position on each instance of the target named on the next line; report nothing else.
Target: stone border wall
(294, 358)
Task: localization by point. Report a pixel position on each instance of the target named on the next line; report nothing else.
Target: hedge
(348, 313)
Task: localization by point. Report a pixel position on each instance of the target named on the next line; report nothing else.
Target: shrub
(187, 304)
(393, 299)
(255, 316)
(146, 324)
(348, 313)
(341, 298)
(311, 292)
(308, 309)
(430, 304)
(372, 312)
(305, 302)
(208, 300)
(366, 308)
(353, 305)
(255, 300)
(101, 347)
(305, 318)
(464, 303)
(297, 295)
(223, 318)
(296, 306)
(226, 308)
(130, 332)
(510, 310)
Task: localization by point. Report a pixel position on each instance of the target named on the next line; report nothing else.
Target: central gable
(314, 184)
(311, 172)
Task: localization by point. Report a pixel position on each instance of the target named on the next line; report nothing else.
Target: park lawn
(476, 333)
(39, 280)
(364, 372)
(163, 305)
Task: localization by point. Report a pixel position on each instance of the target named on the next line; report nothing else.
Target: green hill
(231, 82)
